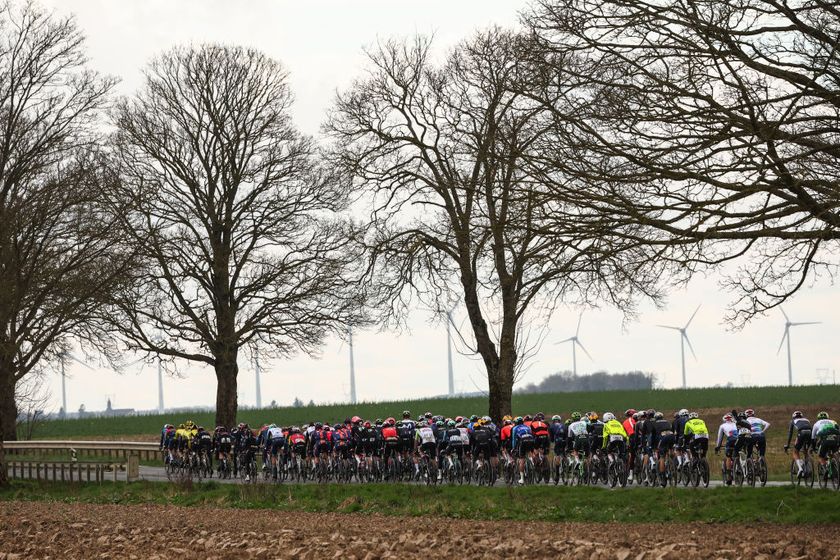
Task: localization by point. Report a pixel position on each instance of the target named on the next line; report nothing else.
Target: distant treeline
(567, 382)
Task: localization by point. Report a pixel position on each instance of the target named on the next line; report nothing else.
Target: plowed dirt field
(57, 530)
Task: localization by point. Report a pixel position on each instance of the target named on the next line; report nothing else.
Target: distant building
(110, 411)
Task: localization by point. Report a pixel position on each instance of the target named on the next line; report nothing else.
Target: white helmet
(683, 412)
(608, 416)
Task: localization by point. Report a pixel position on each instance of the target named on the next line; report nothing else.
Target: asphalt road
(158, 474)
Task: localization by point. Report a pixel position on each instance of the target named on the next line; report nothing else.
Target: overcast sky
(320, 43)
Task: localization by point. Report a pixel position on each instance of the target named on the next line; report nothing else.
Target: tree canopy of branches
(712, 123)
(56, 245)
(440, 153)
(241, 238)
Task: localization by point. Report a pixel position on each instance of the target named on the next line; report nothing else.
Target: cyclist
(452, 442)
(615, 437)
(204, 444)
(222, 443)
(729, 430)
(522, 442)
(274, 443)
(826, 436)
(758, 428)
(405, 430)
(504, 437)
(663, 440)
(484, 441)
(426, 442)
(578, 437)
(679, 428)
(541, 436)
(297, 444)
(629, 425)
(557, 436)
(696, 435)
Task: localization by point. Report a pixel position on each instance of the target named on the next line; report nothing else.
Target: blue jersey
(517, 432)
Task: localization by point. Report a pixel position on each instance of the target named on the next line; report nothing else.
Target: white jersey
(578, 428)
(275, 433)
(757, 425)
(465, 436)
(820, 425)
(726, 430)
(426, 435)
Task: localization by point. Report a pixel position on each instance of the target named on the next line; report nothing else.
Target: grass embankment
(555, 504)
(550, 403)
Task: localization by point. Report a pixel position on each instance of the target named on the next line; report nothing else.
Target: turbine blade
(784, 336)
(580, 318)
(669, 327)
(690, 347)
(782, 309)
(692, 316)
(566, 340)
(806, 323)
(584, 349)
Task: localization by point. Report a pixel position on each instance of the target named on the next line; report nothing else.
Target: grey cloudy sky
(320, 42)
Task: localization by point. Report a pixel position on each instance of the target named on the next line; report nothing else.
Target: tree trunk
(8, 407)
(226, 397)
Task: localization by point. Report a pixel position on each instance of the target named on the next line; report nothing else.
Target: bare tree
(56, 248)
(241, 237)
(711, 124)
(32, 399)
(439, 153)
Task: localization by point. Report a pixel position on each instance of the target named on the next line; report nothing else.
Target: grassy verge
(555, 504)
(550, 403)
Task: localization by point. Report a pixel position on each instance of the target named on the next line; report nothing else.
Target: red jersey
(539, 428)
(389, 433)
(505, 435)
(629, 426)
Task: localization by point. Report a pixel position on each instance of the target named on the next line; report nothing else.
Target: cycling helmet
(473, 418)
(629, 412)
(367, 424)
(609, 416)
(658, 416)
(439, 423)
(683, 412)
(406, 414)
(742, 416)
(241, 425)
(797, 414)
(459, 419)
(347, 421)
(650, 412)
(568, 421)
(728, 417)
(593, 416)
(428, 416)
(507, 422)
(575, 416)
(378, 421)
(539, 416)
(822, 415)
(390, 421)
(693, 415)
(355, 419)
(749, 412)
(337, 427)
(507, 417)
(295, 430)
(189, 423)
(318, 425)
(556, 418)
(270, 426)
(327, 428)
(451, 423)
(181, 426)
(486, 419)
(519, 420)
(528, 418)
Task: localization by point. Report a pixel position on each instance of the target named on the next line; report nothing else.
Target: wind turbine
(63, 358)
(449, 352)
(788, 325)
(683, 340)
(575, 343)
(257, 375)
(352, 367)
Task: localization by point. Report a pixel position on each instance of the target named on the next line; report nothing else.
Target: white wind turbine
(683, 340)
(575, 343)
(65, 355)
(786, 336)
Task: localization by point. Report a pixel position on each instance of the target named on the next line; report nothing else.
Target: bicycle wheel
(749, 475)
(761, 474)
(822, 476)
(835, 473)
(809, 472)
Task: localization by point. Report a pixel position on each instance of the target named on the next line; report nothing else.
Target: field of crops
(711, 399)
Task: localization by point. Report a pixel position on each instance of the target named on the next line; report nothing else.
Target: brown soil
(55, 530)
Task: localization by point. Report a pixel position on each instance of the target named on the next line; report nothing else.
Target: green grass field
(557, 504)
(550, 403)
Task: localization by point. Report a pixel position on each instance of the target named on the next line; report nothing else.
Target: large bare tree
(241, 238)
(56, 249)
(713, 124)
(439, 155)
